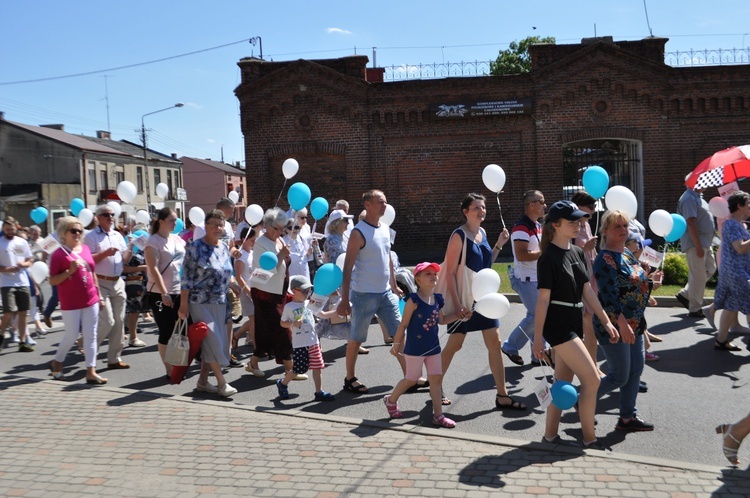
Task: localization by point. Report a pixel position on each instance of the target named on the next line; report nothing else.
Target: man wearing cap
(371, 286)
(696, 244)
(15, 259)
(526, 237)
(109, 250)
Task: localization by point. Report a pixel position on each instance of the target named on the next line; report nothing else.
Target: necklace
(471, 233)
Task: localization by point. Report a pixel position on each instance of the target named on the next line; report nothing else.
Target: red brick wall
(350, 135)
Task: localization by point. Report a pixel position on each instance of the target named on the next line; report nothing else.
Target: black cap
(565, 210)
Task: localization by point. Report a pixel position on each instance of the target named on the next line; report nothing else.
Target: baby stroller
(404, 276)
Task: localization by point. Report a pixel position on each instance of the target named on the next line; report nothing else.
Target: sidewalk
(62, 439)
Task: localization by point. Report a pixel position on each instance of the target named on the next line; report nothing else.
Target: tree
(516, 59)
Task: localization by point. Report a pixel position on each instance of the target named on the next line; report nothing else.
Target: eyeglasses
(296, 227)
(75, 231)
(108, 215)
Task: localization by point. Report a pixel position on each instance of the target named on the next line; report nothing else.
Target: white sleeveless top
(371, 271)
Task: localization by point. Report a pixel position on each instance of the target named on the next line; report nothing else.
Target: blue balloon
(328, 278)
(319, 208)
(298, 196)
(39, 214)
(596, 181)
(678, 228)
(76, 205)
(138, 233)
(179, 226)
(564, 394)
(401, 306)
(268, 261)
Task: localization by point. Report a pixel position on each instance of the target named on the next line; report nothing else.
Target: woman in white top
(164, 252)
(270, 296)
(299, 250)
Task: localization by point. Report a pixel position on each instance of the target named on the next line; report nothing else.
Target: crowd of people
(578, 300)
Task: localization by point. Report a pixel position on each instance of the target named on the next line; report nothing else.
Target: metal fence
(705, 57)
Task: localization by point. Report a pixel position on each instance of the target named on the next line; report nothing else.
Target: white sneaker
(206, 388)
(257, 372)
(226, 390)
(300, 377)
(710, 312)
(14, 339)
(30, 341)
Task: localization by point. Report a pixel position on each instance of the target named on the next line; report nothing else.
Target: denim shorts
(367, 304)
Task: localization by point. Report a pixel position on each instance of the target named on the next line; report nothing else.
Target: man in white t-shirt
(525, 237)
(15, 258)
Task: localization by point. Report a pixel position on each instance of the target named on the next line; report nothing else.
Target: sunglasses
(302, 217)
(75, 231)
(296, 227)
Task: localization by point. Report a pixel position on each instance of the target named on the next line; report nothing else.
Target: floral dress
(206, 272)
(733, 288)
(624, 289)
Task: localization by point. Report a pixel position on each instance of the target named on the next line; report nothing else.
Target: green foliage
(675, 269)
(516, 59)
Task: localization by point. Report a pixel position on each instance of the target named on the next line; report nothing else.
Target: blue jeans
(625, 363)
(52, 303)
(529, 294)
(365, 305)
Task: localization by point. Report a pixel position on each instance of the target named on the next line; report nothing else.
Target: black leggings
(164, 316)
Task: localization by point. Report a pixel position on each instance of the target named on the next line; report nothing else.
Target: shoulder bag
(464, 276)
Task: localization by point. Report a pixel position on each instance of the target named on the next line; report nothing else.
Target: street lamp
(145, 152)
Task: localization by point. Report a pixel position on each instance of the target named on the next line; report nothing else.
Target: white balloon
(126, 191)
(234, 196)
(485, 282)
(253, 214)
(719, 207)
(85, 216)
(39, 272)
(142, 217)
(622, 199)
(389, 216)
(196, 215)
(290, 168)
(116, 208)
(661, 222)
(493, 306)
(162, 190)
(493, 177)
(340, 260)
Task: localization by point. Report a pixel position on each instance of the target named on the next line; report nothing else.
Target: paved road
(691, 389)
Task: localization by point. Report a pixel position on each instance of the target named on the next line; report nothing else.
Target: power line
(88, 73)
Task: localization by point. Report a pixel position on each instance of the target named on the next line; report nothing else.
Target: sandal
(514, 405)
(57, 375)
(730, 453)
(421, 383)
(444, 400)
(726, 346)
(96, 380)
(515, 358)
(363, 350)
(443, 421)
(393, 410)
(349, 386)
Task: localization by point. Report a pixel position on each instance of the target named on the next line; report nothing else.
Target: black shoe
(595, 445)
(683, 301)
(696, 314)
(642, 387)
(634, 425)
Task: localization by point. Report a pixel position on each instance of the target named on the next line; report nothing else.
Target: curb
(433, 432)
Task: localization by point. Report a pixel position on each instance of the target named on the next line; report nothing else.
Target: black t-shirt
(564, 272)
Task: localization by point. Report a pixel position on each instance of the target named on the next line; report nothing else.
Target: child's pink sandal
(443, 421)
(392, 408)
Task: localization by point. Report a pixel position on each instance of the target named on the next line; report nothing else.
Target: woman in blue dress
(206, 272)
(479, 255)
(733, 289)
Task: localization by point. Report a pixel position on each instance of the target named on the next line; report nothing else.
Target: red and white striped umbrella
(724, 167)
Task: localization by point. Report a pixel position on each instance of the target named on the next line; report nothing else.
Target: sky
(42, 40)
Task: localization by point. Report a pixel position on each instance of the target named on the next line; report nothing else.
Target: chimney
(2, 116)
(174, 155)
(53, 127)
(103, 134)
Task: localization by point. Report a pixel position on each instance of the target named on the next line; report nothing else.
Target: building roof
(227, 168)
(78, 141)
(132, 149)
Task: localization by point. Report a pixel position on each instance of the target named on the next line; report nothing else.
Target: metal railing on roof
(678, 58)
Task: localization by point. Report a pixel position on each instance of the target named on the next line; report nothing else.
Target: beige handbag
(464, 276)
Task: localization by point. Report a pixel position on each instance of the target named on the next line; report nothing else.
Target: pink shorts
(432, 364)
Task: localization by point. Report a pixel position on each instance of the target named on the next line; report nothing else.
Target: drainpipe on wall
(85, 175)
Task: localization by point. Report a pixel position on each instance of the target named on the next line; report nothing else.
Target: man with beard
(15, 258)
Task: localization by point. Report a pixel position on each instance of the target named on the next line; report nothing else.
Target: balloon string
(666, 248)
(282, 191)
(596, 206)
(501, 210)
(542, 360)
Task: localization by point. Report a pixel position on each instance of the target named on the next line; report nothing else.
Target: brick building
(426, 142)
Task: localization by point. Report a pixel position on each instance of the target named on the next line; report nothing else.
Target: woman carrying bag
(164, 252)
